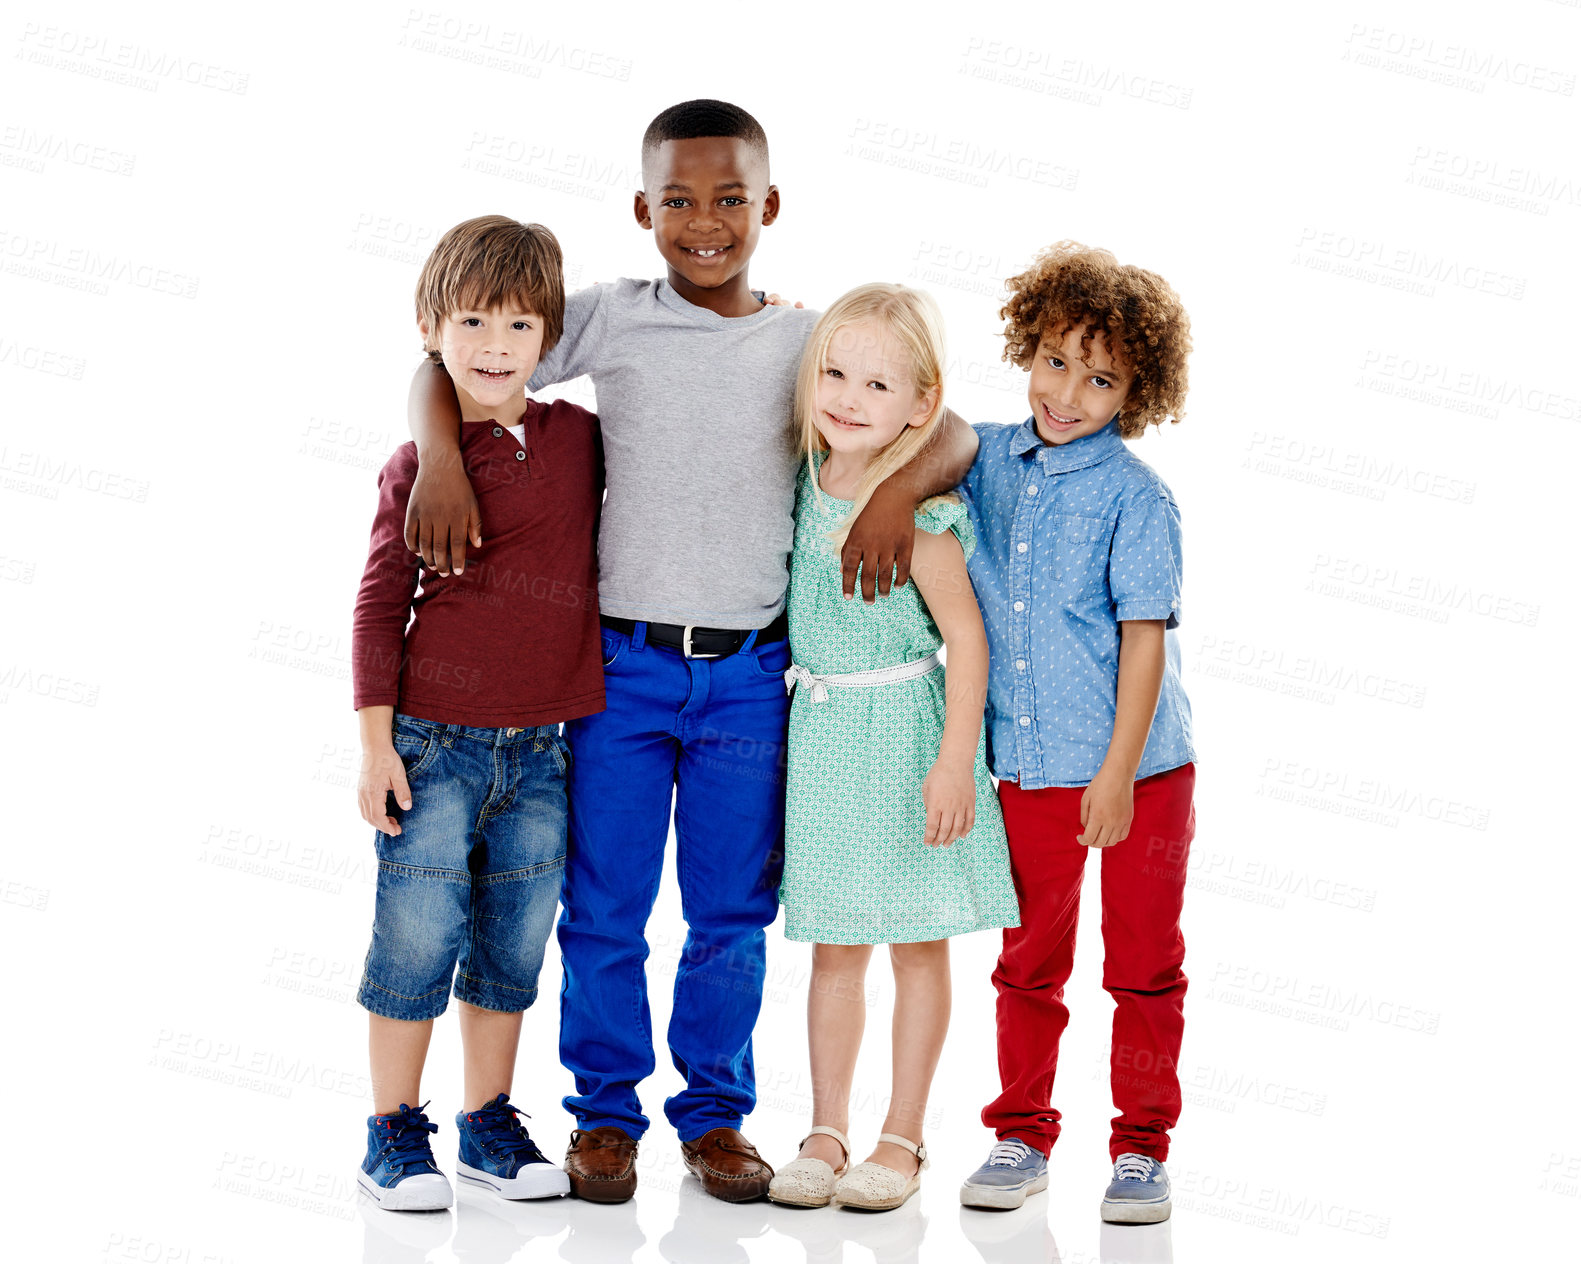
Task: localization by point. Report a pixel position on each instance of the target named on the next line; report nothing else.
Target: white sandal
(810, 1182)
(874, 1187)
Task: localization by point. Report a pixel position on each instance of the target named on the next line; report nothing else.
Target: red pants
(1144, 880)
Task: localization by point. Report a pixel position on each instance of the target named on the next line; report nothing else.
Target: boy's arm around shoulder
(583, 335)
(882, 537)
(442, 511)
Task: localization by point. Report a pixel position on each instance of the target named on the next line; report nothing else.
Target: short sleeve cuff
(947, 513)
(1139, 608)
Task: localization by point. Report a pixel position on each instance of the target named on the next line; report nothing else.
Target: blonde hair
(913, 319)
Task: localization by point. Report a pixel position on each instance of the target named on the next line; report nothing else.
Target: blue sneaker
(1013, 1170)
(499, 1156)
(399, 1172)
(1139, 1192)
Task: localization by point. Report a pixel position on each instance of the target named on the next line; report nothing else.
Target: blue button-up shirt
(1072, 539)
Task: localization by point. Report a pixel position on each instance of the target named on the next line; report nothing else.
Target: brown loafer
(602, 1165)
(728, 1165)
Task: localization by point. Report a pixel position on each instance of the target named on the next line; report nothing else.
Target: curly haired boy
(1078, 572)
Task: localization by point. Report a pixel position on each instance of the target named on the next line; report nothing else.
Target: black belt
(696, 642)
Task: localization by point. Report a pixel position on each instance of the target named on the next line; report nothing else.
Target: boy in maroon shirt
(461, 683)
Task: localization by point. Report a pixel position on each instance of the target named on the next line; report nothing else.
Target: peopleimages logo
(1492, 180)
(87, 268)
(1425, 596)
(517, 51)
(1314, 1002)
(33, 150)
(1370, 798)
(956, 158)
(122, 62)
(1048, 72)
(1365, 474)
(1446, 62)
(1467, 389)
(1400, 267)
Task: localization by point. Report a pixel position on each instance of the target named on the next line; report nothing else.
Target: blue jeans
(710, 733)
(472, 879)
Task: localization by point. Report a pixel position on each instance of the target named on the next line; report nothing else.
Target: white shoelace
(1009, 1153)
(1133, 1167)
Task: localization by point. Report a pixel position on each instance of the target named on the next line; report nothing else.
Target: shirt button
(1020, 606)
(1021, 664)
(1026, 721)
(498, 432)
(520, 455)
(1032, 489)
(1021, 548)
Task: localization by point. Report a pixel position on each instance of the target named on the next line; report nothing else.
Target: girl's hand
(1106, 810)
(774, 300)
(949, 794)
(382, 771)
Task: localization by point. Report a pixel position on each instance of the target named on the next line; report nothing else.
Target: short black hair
(705, 117)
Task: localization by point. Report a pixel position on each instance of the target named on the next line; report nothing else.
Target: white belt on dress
(796, 674)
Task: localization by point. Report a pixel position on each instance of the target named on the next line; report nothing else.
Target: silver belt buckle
(686, 643)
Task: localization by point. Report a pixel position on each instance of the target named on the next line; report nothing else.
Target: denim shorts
(468, 889)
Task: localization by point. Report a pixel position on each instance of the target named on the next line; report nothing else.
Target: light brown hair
(488, 262)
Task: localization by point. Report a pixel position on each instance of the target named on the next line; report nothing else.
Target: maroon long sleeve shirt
(512, 641)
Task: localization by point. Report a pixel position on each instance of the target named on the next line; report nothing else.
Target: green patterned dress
(856, 868)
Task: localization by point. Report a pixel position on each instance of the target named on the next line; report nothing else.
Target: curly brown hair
(1140, 318)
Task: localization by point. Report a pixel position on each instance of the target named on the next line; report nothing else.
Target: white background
(212, 227)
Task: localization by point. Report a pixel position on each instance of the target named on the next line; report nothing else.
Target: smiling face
(706, 201)
(489, 356)
(1072, 397)
(866, 393)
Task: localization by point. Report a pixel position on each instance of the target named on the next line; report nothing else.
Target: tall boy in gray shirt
(694, 377)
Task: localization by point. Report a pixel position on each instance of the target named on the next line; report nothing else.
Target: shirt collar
(703, 316)
(1061, 458)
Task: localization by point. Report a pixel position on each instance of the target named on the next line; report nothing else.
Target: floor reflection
(709, 1231)
(1136, 1244)
(602, 1233)
(400, 1237)
(491, 1230)
(483, 1229)
(893, 1237)
(1021, 1236)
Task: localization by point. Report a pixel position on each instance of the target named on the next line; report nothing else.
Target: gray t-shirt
(699, 457)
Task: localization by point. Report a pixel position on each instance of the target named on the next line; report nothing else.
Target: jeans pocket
(561, 751)
(771, 661)
(416, 742)
(613, 645)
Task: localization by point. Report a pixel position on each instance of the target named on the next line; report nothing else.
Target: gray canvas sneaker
(1139, 1192)
(1013, 1170)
